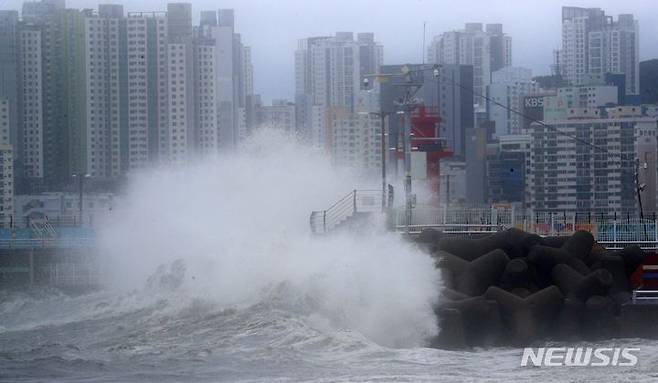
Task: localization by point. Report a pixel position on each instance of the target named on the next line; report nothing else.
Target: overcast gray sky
(272, 28)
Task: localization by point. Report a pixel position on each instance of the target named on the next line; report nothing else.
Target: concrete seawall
(73, 267)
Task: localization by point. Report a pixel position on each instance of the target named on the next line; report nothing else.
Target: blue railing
(22, 238)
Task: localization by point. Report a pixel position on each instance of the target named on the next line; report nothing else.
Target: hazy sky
(272, 28)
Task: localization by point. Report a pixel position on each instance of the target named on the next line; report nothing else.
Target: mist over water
(233, 230)
(211, 274)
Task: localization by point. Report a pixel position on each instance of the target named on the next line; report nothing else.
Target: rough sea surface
(209, 273)
(143, 336)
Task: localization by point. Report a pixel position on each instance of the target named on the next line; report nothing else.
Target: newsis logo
(579, 356)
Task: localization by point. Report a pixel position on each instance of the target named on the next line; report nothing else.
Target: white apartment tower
(179, 106)
(328, 74)
(356, 142)
(31, 100)
(107, 93)
(6, 166)
(180, 70)
(486, 48)
(126, 105)
(102, 84)
(207, 133)
(594, 44)
(9, 67)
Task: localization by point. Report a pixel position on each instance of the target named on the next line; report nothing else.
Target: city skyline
(274, 53)
(112, 91)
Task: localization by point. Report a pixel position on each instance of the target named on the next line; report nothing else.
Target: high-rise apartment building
(107, 93)
(328, 74)
(594, 173)
(39, 10)
(9, 27)
(181, 135)
(487, 48)
(555, 104)
(356, 141)
(206, 106)
(125, 88)
(4, 121)
(508, 88)
(6, 166)
(506, 169)
(64, 96)
(593, 43)
(233, 75)
(30, 145)
(101, 59)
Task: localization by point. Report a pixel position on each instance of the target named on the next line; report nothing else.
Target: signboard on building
(533, 110)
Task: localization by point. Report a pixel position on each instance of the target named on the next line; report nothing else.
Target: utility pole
(639, 187)
(408, 203)
(447, 190)
(406, 104)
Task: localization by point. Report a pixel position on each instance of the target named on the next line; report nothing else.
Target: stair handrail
(334, 213)
(350, 194)
(345, 207)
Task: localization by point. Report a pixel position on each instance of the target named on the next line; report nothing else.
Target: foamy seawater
(104, 337)
(210, 273)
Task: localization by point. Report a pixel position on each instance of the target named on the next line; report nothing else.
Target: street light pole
(407, 168)
(383, 132)
(80, 178)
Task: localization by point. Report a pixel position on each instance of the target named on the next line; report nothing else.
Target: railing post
(354, 200)
(31, 264)
(564, 219)
(614, 229)
(573, 222)
(551, 221)
(324, 222)
(655, 230)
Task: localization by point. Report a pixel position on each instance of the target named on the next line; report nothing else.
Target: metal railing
(612, 230)
(13, 222)
(645, 296)
(32, 243)
(357, 201)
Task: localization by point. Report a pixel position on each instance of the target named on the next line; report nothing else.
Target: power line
(487, 98)
(553, 128)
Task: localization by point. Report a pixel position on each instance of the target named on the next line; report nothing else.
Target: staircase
(354, 206)
(42, 228)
